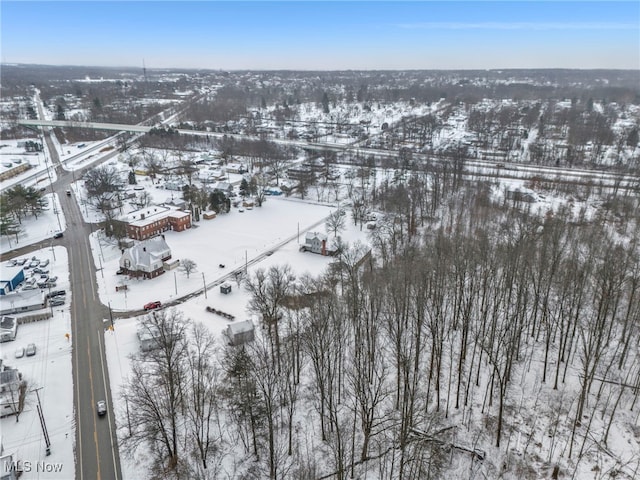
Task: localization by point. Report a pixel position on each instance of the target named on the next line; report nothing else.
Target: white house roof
(18, 300)
(319, 235)
(148, 252)
(240, 327)
(145, 215)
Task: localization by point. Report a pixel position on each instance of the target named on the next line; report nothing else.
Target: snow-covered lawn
(34, 230)
(231, 239)
(224, 239)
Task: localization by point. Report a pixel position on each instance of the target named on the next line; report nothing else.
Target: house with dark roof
(146, 259)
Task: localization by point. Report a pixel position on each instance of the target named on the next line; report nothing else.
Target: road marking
(106, 396)
(78, 426)
(93, 402)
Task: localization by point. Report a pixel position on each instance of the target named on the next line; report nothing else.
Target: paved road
(96, 451)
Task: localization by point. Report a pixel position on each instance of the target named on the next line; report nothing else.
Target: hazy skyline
(323, 35)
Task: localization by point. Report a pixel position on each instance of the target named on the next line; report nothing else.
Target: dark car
(101, 407)
(31, 350)
(56, 293)
(57, 235)
(152, 305)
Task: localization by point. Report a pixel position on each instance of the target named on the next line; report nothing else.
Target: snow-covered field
(122, 341)
(36, 230)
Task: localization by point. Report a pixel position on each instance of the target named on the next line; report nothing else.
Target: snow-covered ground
(231, 239)
(222, 240)
(49, 373)
(37, 176)
(36, 230)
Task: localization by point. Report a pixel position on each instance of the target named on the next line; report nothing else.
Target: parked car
(57, 301)
(152, 305)
(31, 350)
(44, 264)
(20, 352)
(56, 293)
(101, 408)
(57, 235)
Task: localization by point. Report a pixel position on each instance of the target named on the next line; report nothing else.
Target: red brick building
(151, 221)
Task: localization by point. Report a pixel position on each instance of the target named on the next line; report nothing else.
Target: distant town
(319, 274)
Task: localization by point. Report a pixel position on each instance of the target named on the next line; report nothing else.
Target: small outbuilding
(240, 333)
(225, 288)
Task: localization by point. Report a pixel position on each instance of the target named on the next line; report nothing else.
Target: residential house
(146, 259)
(10, 386)
(8, 328)
(317, 242)
(240, 333)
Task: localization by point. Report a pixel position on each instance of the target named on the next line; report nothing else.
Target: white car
(20, 352)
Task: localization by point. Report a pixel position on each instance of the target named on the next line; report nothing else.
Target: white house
(240, 332)
(318, 242)
(146, 258)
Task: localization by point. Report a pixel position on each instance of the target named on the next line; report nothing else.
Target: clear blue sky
(323, 35)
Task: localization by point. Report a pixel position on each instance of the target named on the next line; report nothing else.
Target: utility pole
(42, 424)
(204, 285)
(111, 314)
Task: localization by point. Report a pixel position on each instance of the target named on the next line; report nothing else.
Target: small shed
(240, 333)
(225, 288)
(209, 215)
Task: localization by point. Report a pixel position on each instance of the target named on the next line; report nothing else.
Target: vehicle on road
(20, 352)
(68, 193)
(152, 305)
(31, 350)
(101, 408)
(58, 235)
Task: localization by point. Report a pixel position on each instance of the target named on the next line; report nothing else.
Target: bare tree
(336, 222)
(155, 388)
(187, 266)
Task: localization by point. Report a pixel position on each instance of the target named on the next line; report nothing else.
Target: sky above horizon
(331, 35)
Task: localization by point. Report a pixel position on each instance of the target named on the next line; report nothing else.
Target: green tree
(244, 188)
(60, 112)
(325, 102)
